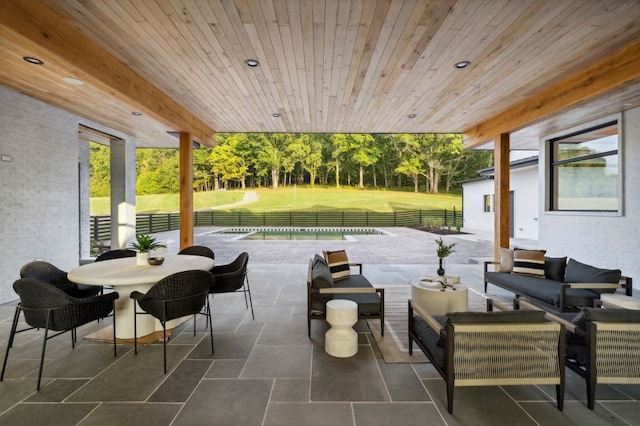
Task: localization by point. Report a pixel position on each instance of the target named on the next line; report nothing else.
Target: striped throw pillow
(528, 262)
(338, 264)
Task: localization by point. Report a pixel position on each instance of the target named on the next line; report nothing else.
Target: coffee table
(437, 299)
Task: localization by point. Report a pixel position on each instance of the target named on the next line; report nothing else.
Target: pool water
(299, 234)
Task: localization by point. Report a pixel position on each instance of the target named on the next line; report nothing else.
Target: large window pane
(585, 170)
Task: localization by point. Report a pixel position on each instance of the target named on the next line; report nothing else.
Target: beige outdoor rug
(394, 346)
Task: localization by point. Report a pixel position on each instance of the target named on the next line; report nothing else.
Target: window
(585, 170)
(487, 203)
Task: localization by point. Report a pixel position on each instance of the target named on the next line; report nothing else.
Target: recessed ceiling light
(275, 114)
(136, 113)
(462, 64)
(73, 81)
(32, 60)
(251, 63)
(411, 116)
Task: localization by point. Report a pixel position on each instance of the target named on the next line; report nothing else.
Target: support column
(186, 190)
(501, 191)
(123, 192)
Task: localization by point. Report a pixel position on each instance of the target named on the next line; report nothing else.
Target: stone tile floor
(268, 372)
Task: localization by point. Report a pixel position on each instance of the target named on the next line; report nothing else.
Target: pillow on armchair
(338, 264)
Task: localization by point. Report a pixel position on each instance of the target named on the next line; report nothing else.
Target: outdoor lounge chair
(491, 348)
(45, 271)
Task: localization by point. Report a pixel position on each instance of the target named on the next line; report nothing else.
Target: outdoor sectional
(564, 287)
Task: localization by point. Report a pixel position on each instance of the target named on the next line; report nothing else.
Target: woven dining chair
(232, 278)
(175, 296)
(198, 251)
(51, 309)
(49, 273)
(115, 254)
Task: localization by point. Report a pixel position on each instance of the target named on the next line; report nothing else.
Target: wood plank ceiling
(338, 65)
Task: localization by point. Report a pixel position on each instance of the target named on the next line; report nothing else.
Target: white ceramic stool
(341, 340)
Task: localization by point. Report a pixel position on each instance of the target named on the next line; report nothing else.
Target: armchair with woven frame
(603, 345)
(490, 348)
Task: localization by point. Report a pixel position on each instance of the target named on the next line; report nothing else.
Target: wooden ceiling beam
(41, 31)
(616, 70)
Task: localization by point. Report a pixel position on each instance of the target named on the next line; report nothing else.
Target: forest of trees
(423, 162)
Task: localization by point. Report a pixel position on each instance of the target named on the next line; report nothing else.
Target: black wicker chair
(49, 308)
(198, 251)
(232, 278)
(178, 295)
(115, 254)
(45, 271)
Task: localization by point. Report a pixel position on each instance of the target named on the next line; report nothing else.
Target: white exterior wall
(599, 240)
(524, 184)
(39, 212)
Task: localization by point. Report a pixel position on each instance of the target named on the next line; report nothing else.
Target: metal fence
(160, 222)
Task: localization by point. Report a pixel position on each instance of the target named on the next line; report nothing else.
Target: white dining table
(126, 276)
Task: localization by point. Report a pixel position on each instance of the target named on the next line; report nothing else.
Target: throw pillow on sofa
(320, 273)
(528, 262)
(582, 273)
(338, 264)
(554, 268)
(506, 260)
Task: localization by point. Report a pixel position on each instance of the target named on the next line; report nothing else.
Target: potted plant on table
(143, 245)
(443, 251)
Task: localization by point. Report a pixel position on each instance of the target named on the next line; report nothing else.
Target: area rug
(394, 346)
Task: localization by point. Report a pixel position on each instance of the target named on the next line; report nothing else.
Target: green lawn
(290, 198)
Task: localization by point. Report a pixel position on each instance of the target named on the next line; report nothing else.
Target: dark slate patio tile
(346, 379)
(57, 390)
(146, 368)
(478, 405)
(575, 413)
(269, 361)
(397, 414)
(13, 391)
(627, 410)
(181, 382)
(296, 414)
(46, 414)
(294, 333)
(86, 360)
(120, 414)
(291, 390)
(227, 346)
(227, 402)
(403, 382)
(226, 369)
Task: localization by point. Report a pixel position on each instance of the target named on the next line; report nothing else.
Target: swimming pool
(296, 234)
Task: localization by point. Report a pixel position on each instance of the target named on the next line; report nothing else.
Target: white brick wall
(39, 187)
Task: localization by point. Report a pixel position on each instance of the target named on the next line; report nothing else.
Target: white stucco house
(478, 199)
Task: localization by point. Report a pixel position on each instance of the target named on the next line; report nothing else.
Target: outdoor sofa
(554, 283)
(322, 287)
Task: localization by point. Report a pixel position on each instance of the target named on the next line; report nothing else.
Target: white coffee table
(341, 340)
(431, 297)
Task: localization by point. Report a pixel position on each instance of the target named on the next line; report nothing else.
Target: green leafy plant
(146, 243)
(443, 249)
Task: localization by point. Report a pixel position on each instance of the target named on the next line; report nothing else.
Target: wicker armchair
(115, 254)
(45, 271)
(178, 295)
(198, 251)
(490, 348)
(603, 345)
(233, 277)
(49, 308)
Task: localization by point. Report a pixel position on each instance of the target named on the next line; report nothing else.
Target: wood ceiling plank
(31, 23)
(620, 68)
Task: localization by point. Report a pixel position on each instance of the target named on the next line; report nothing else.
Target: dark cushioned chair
(491, 348)
(45, 271)
(178, 295)
(603, 345)
(232, 278)
(49, 308)
(198, 251)
(116, 254)
(321, 288)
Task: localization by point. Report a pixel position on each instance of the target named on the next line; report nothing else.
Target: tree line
(430, 162)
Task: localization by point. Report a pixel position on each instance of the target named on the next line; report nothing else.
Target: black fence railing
(160, 222)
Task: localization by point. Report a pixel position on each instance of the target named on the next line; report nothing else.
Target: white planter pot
(142, 258)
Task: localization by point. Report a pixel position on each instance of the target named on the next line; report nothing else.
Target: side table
(434, 300)
(341, 340)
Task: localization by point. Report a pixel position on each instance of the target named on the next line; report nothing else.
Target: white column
(123, 192)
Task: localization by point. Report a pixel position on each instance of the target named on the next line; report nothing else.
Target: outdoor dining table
(126, 276)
